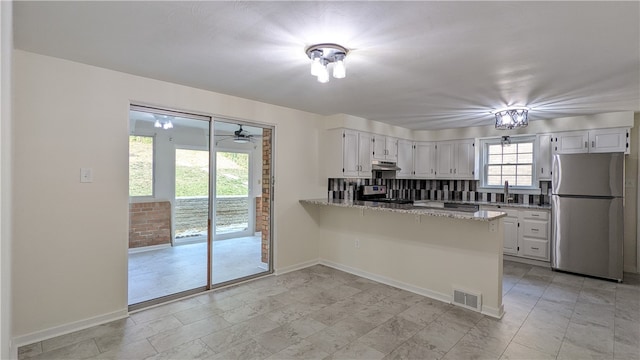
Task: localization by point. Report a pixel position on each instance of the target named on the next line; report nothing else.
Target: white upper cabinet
(464, 157)
(350, 158)
(592, 141)
(609, 140)
(543, 157)
(571, 142)
(385, 148)
(405, 159)
(347, 153)
(424, 160)
(456, 159)
(364, 154)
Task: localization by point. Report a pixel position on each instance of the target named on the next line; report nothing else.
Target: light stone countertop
(496, 204)
(481, 215)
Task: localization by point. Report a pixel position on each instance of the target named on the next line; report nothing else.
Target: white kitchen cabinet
(609, 140)
(543, 156)
(347, 153)
(533, 234)
(464, 159)
(405, 159)
(510, 241)
(526, 232)
(424, 160)
(592, 141)
(455, 159)
(385, 148)
(444, 160)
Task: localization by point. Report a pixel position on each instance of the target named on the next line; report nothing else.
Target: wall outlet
(356, 243)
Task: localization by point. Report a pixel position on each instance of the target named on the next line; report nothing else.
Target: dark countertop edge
(481, 215)
(488, 203)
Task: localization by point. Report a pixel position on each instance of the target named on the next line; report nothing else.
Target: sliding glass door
(200, 204)
(241, 245)
(169, 179)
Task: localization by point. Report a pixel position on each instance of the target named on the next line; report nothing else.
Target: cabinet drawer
(533, 214)
(536, 229)
(535, 248)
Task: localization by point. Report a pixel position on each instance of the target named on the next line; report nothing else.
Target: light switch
(86, 175)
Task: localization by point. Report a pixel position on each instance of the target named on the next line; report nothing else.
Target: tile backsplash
(416, 189)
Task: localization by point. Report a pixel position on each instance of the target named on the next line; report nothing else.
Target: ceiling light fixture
(322, 55)
(165, 124)
(512, 117)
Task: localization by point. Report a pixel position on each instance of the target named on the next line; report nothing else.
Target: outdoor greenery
(192, 171)
(140, 166)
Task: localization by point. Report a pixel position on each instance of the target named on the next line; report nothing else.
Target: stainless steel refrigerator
(587, 209)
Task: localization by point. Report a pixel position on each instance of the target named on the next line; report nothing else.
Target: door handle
(535, 248)
(541, 170)
(534, 229)
(593, 144)
(586, 144)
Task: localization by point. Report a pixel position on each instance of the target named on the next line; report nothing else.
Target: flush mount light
(165, 124)
(512, 117)
(322, 55)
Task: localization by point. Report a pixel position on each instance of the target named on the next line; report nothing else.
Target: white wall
(70, 248)
(6, 51)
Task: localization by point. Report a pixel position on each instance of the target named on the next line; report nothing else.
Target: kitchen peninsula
(431, 252)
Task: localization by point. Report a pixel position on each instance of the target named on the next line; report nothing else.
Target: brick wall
(258, 214)
(149, 223)
(266, 193)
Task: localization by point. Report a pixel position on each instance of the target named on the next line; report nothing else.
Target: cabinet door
(350, 161)
(364, 154)
(510, 241)
(392, 148)
(424, 163)
(464, 160)
(543, 157)
(379, 147)
(444, 155)
(608, 140)
(405, 159)
(571, 142)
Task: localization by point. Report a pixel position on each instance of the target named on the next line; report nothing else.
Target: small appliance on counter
(378, 193)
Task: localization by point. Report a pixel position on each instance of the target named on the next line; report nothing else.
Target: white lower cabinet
(526, 232)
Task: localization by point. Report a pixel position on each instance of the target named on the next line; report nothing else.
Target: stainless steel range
(378, 193)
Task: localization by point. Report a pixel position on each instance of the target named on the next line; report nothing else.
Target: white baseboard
(486, 310)
(493, 312)
(527, 261)
(388, 281)
(68, 328)
(295, 267)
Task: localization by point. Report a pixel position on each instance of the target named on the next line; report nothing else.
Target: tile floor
(323, 313)
(157, 273)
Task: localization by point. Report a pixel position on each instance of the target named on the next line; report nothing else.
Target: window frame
(484, 163)
(153, 167)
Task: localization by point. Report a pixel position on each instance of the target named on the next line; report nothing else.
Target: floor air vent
(468, 300)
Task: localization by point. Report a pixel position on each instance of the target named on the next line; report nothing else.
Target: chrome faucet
(507, 199)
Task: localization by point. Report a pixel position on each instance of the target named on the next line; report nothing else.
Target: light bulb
(157, 124)
(167, 125)
(323, 76)
(339, 70)
(316, 65)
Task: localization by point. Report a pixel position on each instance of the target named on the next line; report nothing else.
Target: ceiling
(419, 65)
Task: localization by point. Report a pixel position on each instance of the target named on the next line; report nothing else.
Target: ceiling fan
(239, 136)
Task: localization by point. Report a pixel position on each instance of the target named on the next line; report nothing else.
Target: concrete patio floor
(161, 272)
